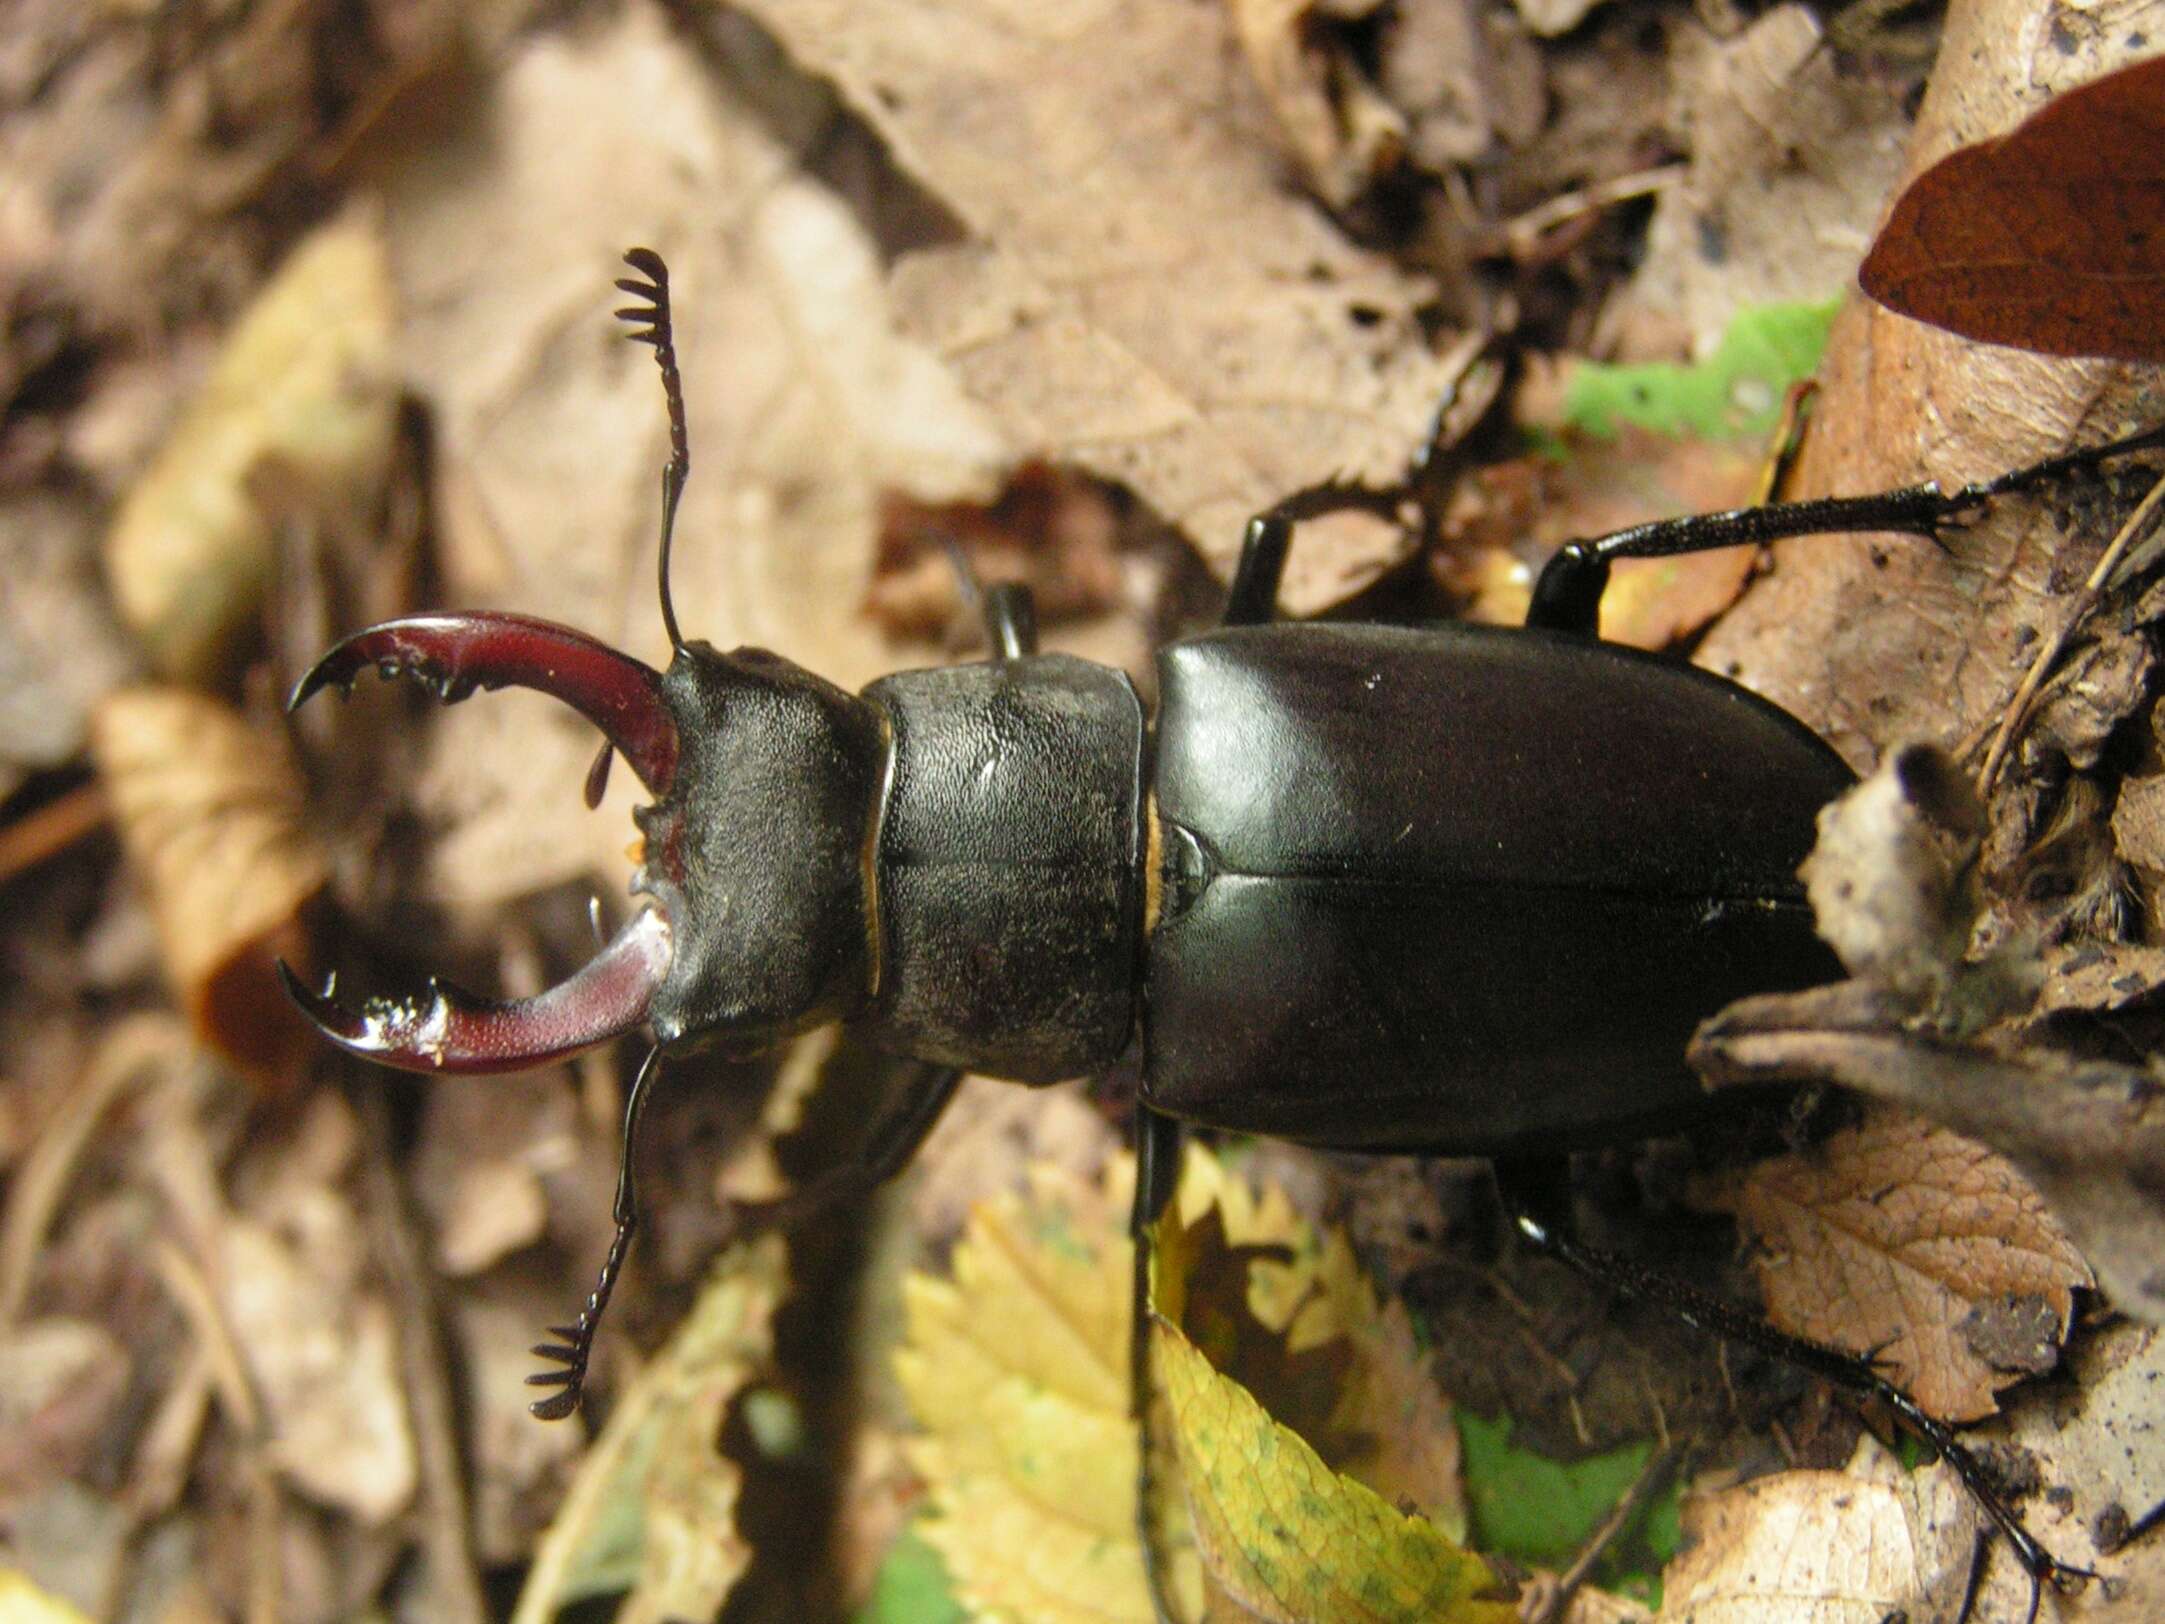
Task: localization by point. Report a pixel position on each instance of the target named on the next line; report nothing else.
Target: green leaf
(1735, 393)
(912, 1587)
(1542, 1512)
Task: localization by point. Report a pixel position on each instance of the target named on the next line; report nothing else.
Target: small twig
(1521, 235)
(35, 1194)
(2085, 604)
(454, 1578)
(198, 1305)
(52, 828)
(1644, 1487)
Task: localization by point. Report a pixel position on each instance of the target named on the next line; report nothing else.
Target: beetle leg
(577, 1343)
(1538, 1224)
(894, 1142)
(1252, 600)
(1157, 1177)
(1010, 620)
(1567, 595)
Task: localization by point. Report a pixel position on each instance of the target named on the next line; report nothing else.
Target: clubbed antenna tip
(649, 323)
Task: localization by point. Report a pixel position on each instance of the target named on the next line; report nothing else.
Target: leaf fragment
(1887, 1237)
(2048, 238)
(1822, 1547)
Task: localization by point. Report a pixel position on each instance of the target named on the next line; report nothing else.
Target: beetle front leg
(577, 1345)
(1252, 600)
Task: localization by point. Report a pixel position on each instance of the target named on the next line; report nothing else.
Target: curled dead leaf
(213, 818)
(297, 417)
(1894, 887)
(2050, 237)
(2089, 1134)
(1889, 1236)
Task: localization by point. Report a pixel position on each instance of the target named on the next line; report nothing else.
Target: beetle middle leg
(1567, 593)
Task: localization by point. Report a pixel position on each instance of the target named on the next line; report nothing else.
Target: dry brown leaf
(1337, 127)
(324, 1360)
(2051, 237)
(1900, 402)
(60, 1382)
(1858, 1546)
(212, 817)
(1889, 1237)
(2089, 1134)
(1141, 294)
(295, 420)
(59, 648)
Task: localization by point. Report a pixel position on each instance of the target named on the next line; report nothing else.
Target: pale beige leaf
(1142, 294)
(1821, 1547)
(324, 1359)
(22, 1602)
(550, 435)
(1890, 1236)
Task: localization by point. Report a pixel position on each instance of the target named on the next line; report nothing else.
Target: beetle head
(763, 777)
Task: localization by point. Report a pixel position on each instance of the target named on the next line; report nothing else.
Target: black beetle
(1445, 890)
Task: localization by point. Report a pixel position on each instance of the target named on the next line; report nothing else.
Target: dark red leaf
(2049, 238)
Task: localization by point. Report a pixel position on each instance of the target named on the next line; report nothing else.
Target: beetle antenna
(578, 1340)
(649, 324)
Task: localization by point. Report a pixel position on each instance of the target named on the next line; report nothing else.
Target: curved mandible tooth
(456, 653)
(446, 1029)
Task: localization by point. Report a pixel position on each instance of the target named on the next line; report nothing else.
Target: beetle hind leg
(1539, 1214)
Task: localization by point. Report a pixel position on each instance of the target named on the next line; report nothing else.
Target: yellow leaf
(22, 1602)
(1286, 1538)
(1017, 1370)
(299, 415)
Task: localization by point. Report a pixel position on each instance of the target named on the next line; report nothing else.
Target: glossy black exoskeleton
(1446, 890)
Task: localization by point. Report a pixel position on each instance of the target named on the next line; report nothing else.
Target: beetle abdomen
(1461, 888)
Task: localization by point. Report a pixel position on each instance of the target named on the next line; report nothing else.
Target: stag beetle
(1446, 890)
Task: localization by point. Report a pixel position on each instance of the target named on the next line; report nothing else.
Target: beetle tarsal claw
(454, 654)
(445, 1028)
